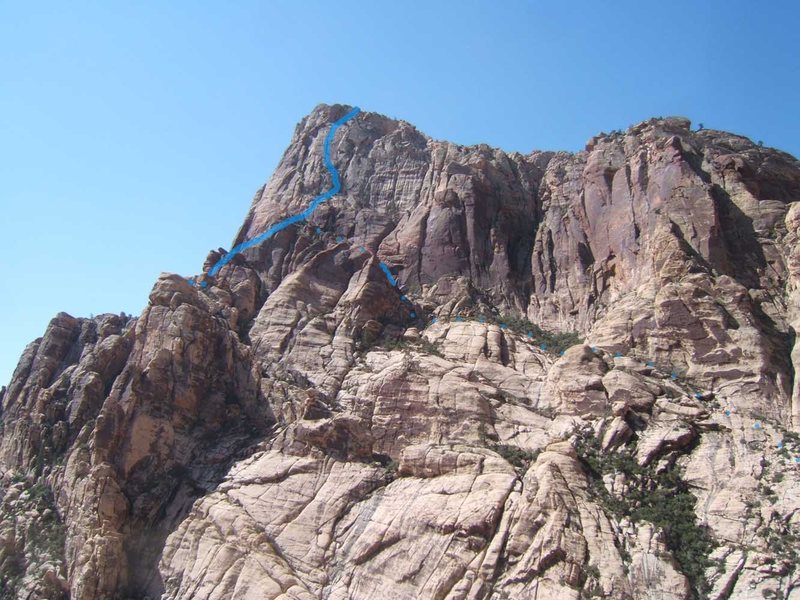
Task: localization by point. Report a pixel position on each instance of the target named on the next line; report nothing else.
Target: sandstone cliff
(583, 386)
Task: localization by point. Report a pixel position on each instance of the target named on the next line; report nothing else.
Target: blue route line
(389, 275)
(281, 225)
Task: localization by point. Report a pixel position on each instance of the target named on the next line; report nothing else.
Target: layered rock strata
(583, 386)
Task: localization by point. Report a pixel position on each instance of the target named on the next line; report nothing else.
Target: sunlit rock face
(583, 385)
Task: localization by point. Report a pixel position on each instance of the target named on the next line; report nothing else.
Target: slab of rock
(299, 427)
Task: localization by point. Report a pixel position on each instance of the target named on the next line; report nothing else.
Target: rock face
(300, 428)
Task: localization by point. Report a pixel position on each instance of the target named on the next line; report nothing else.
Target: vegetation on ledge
(660, 497)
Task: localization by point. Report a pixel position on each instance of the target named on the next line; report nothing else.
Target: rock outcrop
(583, 385)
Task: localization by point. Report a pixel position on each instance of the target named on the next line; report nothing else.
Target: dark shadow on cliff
(745, 254)
(162, 495)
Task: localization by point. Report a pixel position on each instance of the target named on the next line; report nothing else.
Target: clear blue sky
(134, 134)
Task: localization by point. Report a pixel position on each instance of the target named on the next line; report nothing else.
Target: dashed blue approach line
(281, 225)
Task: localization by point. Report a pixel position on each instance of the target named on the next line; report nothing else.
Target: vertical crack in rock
(291, 431)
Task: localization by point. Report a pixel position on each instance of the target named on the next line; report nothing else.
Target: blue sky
(134, 135)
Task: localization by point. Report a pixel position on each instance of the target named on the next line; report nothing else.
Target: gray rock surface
(299, 429)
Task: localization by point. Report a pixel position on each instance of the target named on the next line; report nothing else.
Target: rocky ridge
(292, 431)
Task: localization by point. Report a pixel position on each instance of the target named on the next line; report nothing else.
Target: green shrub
(658, 497)
(429, 348)
(792, 437)
(396, 344)
(44, 541)
(782, 539)
(555, 341)
(391, 471)
(422, 345)
(520, 459)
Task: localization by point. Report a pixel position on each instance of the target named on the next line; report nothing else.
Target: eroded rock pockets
(661, 239)
(442, 478)
(128, 421)
(292, 432)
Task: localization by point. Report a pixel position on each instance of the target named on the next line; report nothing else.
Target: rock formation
(582, 386)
